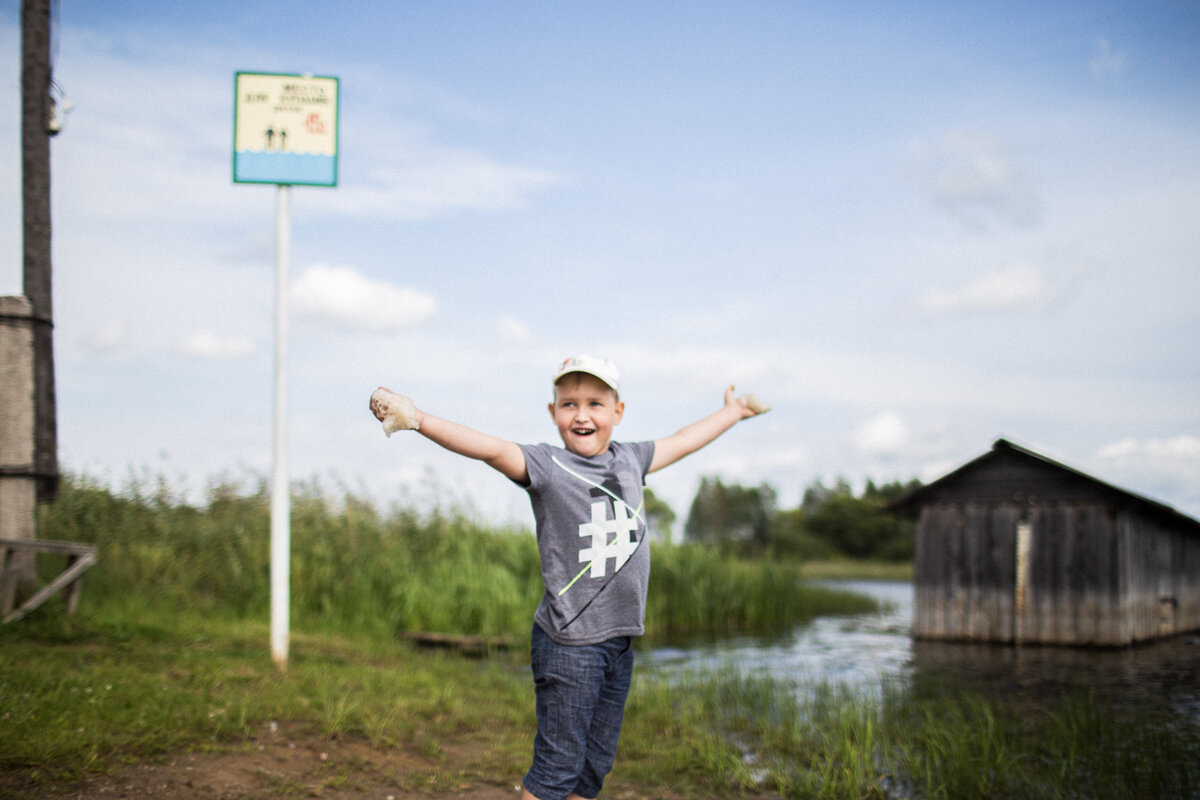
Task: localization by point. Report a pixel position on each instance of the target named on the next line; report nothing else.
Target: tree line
(830, 522)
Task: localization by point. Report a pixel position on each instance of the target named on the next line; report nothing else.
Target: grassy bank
(169, 655)
(848, 569)
(104, 691)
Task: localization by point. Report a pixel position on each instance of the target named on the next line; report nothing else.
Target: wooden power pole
(37, 126)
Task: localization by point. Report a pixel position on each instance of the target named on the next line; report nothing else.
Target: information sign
(285, 129)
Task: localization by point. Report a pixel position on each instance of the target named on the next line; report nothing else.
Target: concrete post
(18, 482)
(36, 83)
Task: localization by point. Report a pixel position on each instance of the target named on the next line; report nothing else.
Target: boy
(590, 520)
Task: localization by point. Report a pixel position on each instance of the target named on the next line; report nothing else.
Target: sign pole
(281, 534)
(285, 132)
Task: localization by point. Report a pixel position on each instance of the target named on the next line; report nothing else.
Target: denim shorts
(581, 693)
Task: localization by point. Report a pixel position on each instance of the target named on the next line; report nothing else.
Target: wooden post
(1024, 549)
(36, 114)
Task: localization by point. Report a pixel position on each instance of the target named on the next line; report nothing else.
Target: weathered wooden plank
(463, 643)
(80, 558)
(48, 546)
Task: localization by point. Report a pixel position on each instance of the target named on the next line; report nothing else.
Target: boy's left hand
(747, 405)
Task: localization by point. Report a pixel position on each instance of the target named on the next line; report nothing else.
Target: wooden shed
(1015, 547)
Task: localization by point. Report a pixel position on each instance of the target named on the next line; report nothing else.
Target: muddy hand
(395, 411)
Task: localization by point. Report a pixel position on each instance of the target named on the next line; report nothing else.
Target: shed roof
(1002, 448)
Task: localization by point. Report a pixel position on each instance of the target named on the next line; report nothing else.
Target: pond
(857, 651)
(861, 651)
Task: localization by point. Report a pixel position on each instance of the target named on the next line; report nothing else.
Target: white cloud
(107, 338)
(347, 297)
(209, 345)
(174, 147)
(513, 330)
(1107, 62)
(1020, 286)
(884, 436)
(459, 179)
(974, 178)
(1154, 467)
(182, 150)
(423, 181)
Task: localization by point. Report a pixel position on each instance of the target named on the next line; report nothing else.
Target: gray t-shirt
(591, 530)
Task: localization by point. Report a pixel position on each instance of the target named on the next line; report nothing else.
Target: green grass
(848, 569)
(822, 741)
(95, 693)
(168, 654)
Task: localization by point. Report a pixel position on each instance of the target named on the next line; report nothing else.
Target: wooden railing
(79, 558)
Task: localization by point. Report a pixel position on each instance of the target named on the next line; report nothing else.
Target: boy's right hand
(395, 411)
(753, 405)
(745, 406)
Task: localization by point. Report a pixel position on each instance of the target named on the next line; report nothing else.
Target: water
(857, 651)
(862, 651)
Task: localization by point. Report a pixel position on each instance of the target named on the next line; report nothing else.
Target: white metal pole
(280, 501)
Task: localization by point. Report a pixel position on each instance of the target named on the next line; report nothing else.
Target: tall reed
(359, 569)
(931, 743)
(696, 589)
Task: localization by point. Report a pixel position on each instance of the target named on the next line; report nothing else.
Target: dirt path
(281, 766)
(290, 766)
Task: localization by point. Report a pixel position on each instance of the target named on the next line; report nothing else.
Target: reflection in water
(861, 651)
(856, 651)
(1162, 675)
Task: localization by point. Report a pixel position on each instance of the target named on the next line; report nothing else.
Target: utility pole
(37, 126)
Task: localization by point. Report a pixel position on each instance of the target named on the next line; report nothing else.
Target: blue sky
(912, 228)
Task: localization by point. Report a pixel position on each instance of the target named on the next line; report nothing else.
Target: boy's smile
(585, 409)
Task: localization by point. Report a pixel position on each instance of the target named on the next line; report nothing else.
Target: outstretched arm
(500, 454)
(691, 438)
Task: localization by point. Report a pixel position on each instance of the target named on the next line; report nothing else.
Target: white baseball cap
(602, 368)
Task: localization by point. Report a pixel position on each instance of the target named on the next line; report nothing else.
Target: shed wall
(1015, 548)
(1162, 575)
(1075, 586)
(966, 572)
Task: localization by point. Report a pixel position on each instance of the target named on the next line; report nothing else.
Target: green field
(168, 655)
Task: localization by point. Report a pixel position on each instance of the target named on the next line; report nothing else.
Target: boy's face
(585, 409)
